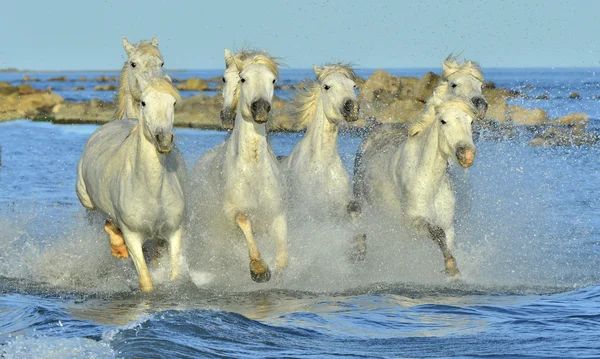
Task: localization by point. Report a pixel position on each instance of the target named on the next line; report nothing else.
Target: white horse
(375, 172)
(133, 174)
(240, 179)
(318, 183)
(144, 63)
(411, 182)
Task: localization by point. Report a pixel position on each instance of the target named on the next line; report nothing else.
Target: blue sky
(86, 35)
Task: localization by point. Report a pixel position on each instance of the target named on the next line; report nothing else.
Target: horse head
(338, 92)
(158, 113)
(453, 120)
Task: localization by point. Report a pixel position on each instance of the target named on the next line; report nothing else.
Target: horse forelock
(259, 58)
(451, 68)
(344, 69)
(457, 103)
(162, 85)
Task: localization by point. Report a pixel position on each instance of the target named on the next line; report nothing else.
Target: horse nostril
(478, 101)
(254, 106)
(172, 138)
(348, 105)
(157, 138)
(268, 107)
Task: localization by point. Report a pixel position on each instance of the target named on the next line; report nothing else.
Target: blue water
(527, 245)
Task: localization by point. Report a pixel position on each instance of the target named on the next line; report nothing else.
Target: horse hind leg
(118, 248)
(134, 244)
(259, 271)
(358, 250)
(439, 237)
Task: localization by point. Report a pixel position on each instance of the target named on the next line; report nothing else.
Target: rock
(425, 86)
(215, 79)
(383, 87)
(528, 86)
(574, 95)
(489, 85)
(579, 119)
(58, 79)
(564, 136)
(525, 117)
(105, 78)
(400, 111)
(107, 87)
(25, 89)
(82, 79)
(7, 89)
(27, 106)
(543, 96)
(194, 84)
(30, 79)
(79, 88)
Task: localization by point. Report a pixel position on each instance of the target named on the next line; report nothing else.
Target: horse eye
(175, 103)
(355, 87)
(223, 79)
(273, 81)
(454, 85)
(443, 122)
(133, 64)
(143, 103)
(162, 64)
(326, 87)
(243, 80)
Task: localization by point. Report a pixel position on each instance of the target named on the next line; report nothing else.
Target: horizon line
(16, 70)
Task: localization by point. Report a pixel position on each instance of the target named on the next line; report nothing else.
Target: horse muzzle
(227, 118)
(260, 111)
(165, 142)
(350, 110)
(465, 155)
(481, 105)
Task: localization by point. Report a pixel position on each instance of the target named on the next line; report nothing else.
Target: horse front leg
(359, 241)
(134, 243)
(174, 252)
(279, 231)
(439, 237)
(118, 248)
(259, 270)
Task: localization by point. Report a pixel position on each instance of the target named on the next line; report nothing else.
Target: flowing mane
(162, 85)
(121, 100)
(450, 67)
(305, 101)
(427, 115)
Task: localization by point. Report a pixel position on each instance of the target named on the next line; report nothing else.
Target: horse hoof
(119, 251)
(259, 271)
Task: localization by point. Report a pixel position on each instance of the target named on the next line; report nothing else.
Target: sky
(192, 34)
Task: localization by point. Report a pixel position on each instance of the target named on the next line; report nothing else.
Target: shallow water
(527, 247)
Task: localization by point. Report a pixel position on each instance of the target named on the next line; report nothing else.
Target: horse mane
(121, 100)
(451, 67)
(427, 115)
(305, 101)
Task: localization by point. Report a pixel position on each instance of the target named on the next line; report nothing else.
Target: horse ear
(168, 78)
(317, 70)
(238, 63)
(154, 41)
(228, 56)
(128, 46)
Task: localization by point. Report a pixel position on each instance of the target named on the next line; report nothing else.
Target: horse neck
(321, 135)
(248, 139)
(429, 162)
(132, 106)
(147, 162)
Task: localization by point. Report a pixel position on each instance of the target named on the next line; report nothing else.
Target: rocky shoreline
(384, 98)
